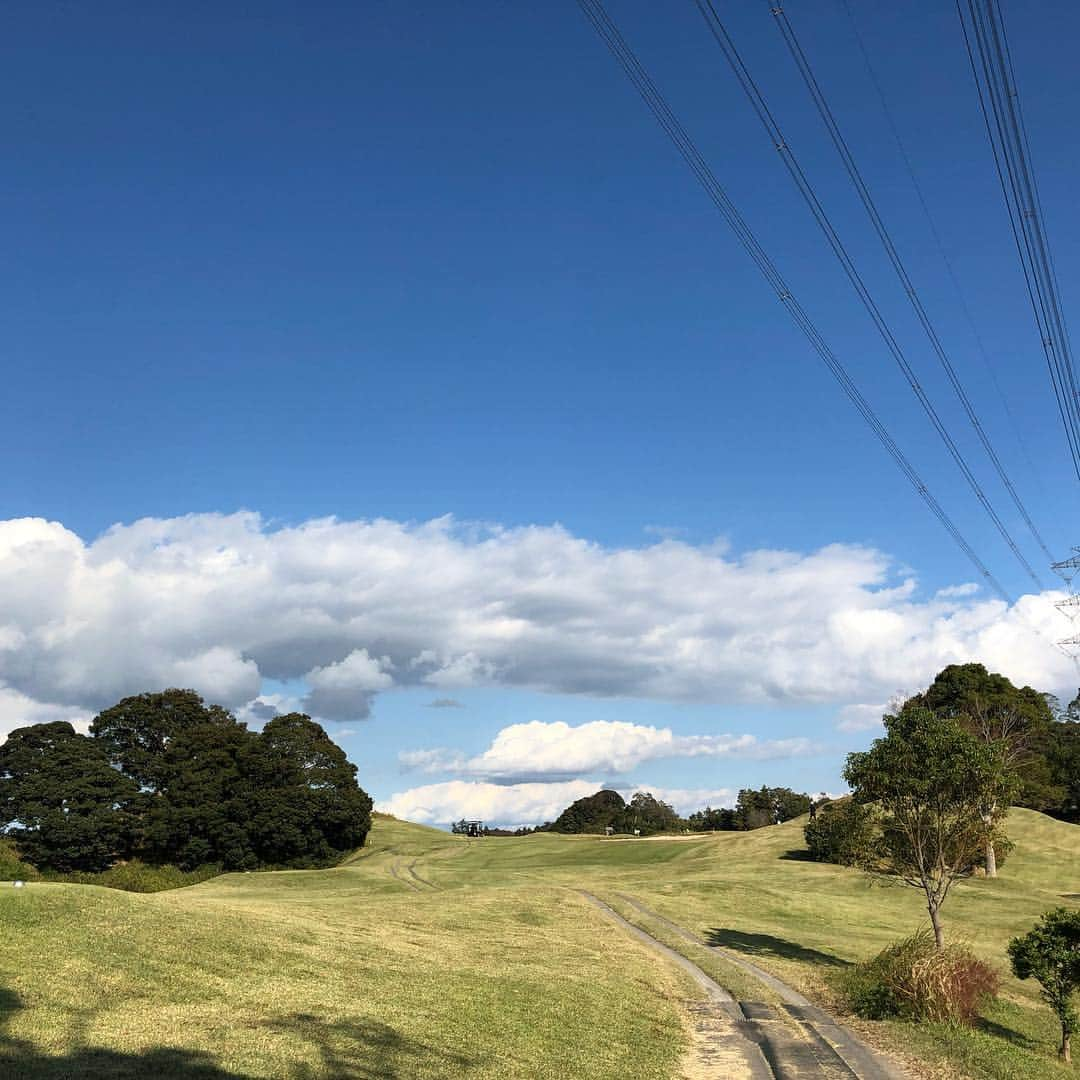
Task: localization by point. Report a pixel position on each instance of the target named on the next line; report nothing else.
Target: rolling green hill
(431, 955)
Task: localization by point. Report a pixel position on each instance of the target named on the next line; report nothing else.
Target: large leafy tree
(136, 731)
(769, 806)
(1050, 953)
(722, 819)
(648, 815)
(1016, 721)
(61, 800)
(592, 814)
(933, 782)
(306, 803)
(204, 798)
(185, 780)
(1063, 758)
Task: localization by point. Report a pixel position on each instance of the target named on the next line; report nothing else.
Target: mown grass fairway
(429, 955)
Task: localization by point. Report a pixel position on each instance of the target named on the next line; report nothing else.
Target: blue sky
(404, 261)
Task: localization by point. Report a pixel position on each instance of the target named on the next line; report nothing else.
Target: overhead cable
(829, 119)
(950, 270)
(991, 65)
(757, 100)
(609, 33)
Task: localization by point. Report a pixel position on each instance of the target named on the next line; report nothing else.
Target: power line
(938, 242)
(609, 33)
(829, 119)
(991, 67)
(757, 100)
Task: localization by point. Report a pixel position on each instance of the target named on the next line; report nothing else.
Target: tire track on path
(719, 1049)
(822, 1047)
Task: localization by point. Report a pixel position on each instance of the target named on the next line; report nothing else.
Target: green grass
(486, 963)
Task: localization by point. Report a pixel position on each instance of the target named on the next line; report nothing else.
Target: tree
(1063, 760)
(136, 731)
(933, 782)
(844, 832)
(769, 806)
(722, 819)
(647, 815)
(1016, 721)
(1050, 953)
(205, 798)
(592, 814)
(307, 806)
(62, 802)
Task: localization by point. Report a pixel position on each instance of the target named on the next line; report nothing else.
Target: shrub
(914, 980)
(12, 868)
(140, 877)
(843, 832)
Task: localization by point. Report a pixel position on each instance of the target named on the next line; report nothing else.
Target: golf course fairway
(428, 955)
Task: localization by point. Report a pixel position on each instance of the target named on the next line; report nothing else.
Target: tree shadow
(365, 1049)
(1017, 1038)
(361, 1049)
(769, 946)
(798, 855)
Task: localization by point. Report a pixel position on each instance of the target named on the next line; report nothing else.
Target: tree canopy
(1032, 732)
(62, 802)
(933, 782)
(591, 814)
(1050, 954)
(167, 778)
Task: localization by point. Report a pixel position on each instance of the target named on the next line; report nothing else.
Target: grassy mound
(434, 956)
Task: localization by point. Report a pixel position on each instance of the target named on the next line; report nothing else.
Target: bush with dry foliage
(915, 980)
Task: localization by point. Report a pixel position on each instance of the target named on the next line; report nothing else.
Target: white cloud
(500, 804)
(860, 717)
(17, 710)
(219, 602)
(687, 800)
(344, 690)
(544, 750)
(527, 803)
(868, 717)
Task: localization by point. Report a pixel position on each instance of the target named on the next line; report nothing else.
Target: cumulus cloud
(686, 800)
(861, 717)
(344, 690)
(219, 602)
(549, 750)
(517, 804)
(528, 803)
(17, 710)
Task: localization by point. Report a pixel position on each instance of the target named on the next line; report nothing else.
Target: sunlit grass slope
(430, 955)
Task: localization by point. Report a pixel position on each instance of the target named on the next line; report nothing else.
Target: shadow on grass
(364, 1050)
(769, 946)
(1017, 1038)
(345, 1050)
(798, 855)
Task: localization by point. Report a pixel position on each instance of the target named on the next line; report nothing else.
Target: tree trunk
(991, 854)
(1066, 1050)
(935, 921)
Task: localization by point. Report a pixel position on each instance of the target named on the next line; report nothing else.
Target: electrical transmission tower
(1067, 570)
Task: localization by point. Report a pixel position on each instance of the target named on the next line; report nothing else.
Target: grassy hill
(433, 956)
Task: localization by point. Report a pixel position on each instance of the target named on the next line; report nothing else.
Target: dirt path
(718, 1048)
(752, 1039)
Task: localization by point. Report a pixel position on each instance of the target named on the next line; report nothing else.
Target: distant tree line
(646, 815)
(461, 828)
(165, 778)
